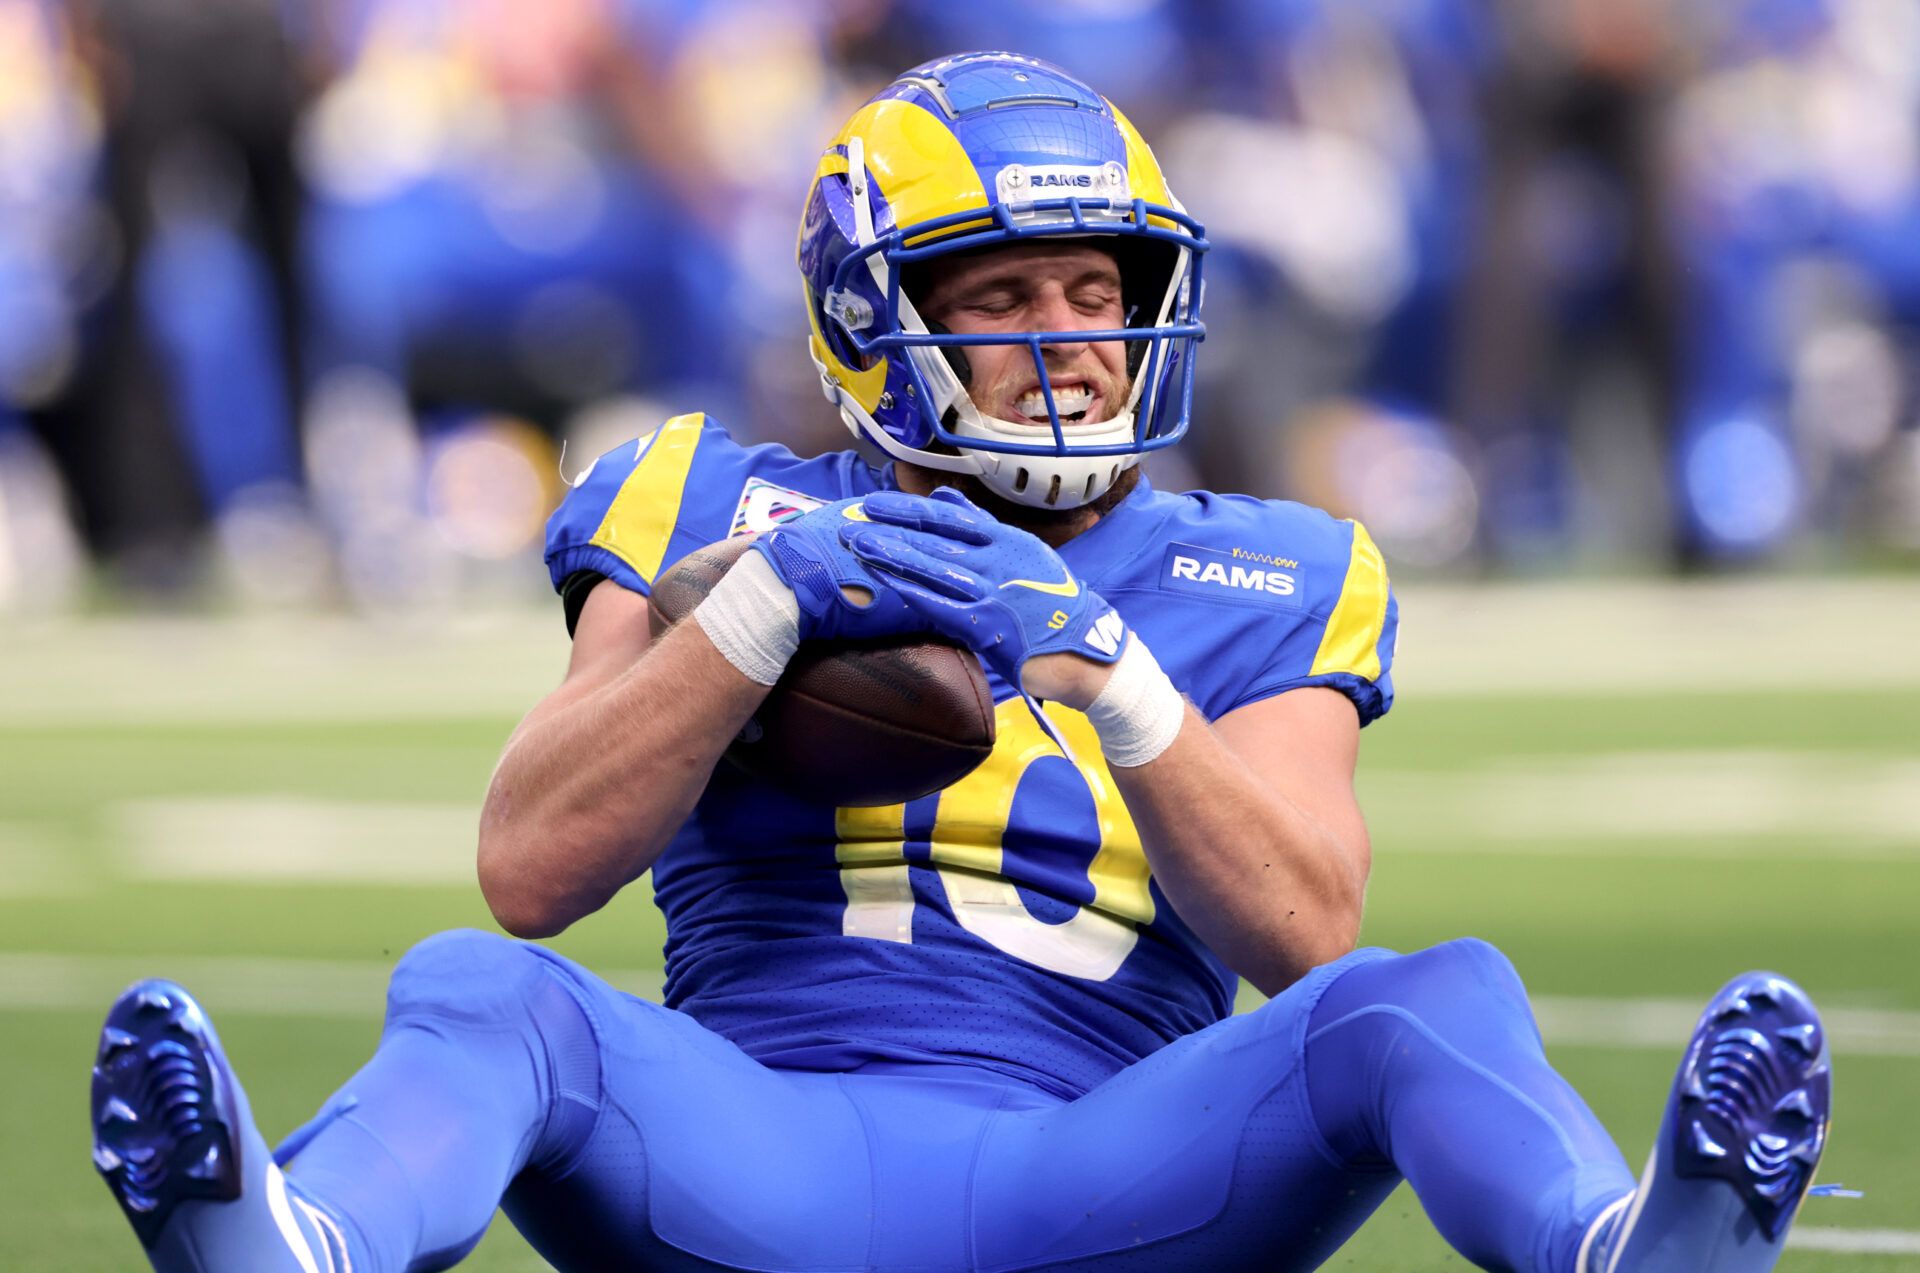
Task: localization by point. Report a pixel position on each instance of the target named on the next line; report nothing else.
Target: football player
(990, 1028)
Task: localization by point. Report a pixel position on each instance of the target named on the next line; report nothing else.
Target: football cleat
(175, 1142)
(1744, 1129)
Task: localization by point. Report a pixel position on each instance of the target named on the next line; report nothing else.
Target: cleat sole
(163, 1133)
(1755, 1091)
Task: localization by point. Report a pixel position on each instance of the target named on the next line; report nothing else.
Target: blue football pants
(620, 1134)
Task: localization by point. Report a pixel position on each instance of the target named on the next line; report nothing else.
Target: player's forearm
(1266, 886)
(587, 796)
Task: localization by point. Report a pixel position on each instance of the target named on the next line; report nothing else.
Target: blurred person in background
(505, 231)
(55, 258)
(1337, 148)
(1795, 144)
(1566, 336)
(180, 410)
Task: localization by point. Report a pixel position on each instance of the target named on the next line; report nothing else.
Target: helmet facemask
(1077, 459)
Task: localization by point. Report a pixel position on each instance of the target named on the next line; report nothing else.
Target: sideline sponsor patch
(764, 505)
(1235, 575)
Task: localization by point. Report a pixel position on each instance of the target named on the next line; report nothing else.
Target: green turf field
(274, 816)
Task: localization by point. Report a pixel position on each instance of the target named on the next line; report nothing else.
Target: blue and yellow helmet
(966, 152)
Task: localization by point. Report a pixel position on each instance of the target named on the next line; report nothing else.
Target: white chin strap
(1047, 481)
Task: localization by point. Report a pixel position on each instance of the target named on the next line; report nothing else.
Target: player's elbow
(520, 890)
(517, 907)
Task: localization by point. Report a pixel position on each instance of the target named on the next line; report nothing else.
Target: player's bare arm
(1254, 833)
(602, 772)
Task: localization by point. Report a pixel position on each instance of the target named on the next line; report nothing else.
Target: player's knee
(465, 974)
(1466, 969)
(1463, 974)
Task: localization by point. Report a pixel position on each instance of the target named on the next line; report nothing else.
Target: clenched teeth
(1069, 402)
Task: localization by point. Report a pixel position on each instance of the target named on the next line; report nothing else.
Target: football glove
(993, 588)
(807, 555)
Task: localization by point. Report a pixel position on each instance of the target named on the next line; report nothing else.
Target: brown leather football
(850, 722)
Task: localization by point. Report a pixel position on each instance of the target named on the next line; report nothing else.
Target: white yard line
(283, 839)
(1757, 802)
(1666, 1023)
(1752, 803)
(1854, 1241)
(1456, 639)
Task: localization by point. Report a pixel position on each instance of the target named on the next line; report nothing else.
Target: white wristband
(752, 619)
(1139, 713)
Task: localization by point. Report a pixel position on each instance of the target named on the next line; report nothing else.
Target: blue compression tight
(1432, 1063)
(619, 1133)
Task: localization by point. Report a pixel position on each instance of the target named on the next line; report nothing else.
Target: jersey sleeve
(1346, 638)
(643, 506)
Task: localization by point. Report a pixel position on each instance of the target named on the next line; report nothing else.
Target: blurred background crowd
(314, 302)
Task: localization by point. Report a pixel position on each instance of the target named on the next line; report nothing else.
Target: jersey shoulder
(649, 502)
(1302, 597)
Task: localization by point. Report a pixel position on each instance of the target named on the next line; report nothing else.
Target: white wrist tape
(1139, 713)
(752, 619)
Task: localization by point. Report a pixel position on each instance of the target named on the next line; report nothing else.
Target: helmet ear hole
(1020, 480)
(1053, 491)
(1088, 493)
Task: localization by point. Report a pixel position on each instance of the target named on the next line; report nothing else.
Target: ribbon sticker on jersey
(764, 505)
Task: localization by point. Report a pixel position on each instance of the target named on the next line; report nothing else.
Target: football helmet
(972, 151)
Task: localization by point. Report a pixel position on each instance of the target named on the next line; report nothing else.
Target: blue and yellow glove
(809, 557)
(995, 589)
(787, 588)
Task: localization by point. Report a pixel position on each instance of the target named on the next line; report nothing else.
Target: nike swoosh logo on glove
(1069, 588)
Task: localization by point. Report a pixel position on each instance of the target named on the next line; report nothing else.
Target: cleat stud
(118, 1111)
(1735, 1006)
(1795, 1102)
(105, 1159)
(1771, 1143)
(114, 1042)
(1696, 1088)
(1805, 1037)
(154, 1001)
(1704, 1144)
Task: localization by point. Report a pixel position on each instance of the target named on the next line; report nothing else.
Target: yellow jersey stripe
(642, 516)
(1352, 640)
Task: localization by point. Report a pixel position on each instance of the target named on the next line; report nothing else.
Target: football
(850, 722)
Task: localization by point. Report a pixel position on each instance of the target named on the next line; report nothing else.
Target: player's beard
(1113, 392)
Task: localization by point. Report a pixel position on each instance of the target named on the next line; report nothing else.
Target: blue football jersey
(1009, 920)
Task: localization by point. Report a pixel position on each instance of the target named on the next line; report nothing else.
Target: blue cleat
(1744, 1129)
(175, 1142)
